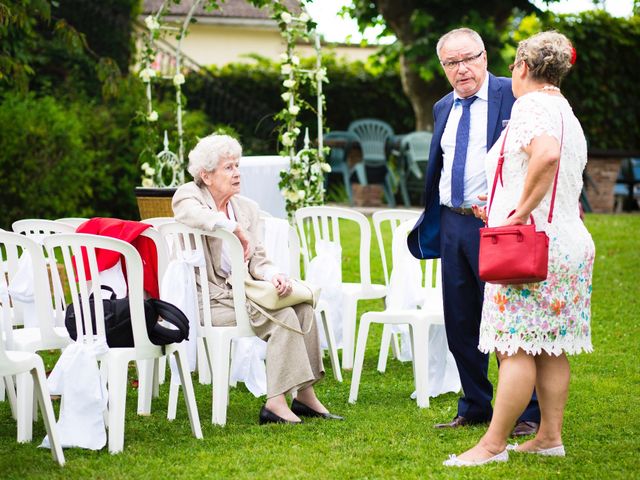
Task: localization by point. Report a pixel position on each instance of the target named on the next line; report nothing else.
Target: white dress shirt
(474, 173)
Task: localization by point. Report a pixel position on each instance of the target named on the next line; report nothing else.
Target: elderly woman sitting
(294, 360)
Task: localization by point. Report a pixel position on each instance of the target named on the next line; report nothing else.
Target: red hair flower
(574, 55)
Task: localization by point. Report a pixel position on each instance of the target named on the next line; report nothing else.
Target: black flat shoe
(267, 416)
(302, 410)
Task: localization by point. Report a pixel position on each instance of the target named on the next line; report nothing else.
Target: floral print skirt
(553, 315)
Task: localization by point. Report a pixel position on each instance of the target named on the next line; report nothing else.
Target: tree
(418, 24)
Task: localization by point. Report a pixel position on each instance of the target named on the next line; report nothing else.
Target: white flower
(303, 17)
(284, 57)
(289, 83)
(285, 17)
(321, 75)
(153, 116)
(178, 79)
(149, 171)
(294, 109)
(146, 74)
(286, 69)
(287, 139)
(296, 130)
(295, 60)
(286, 96)
(152, 23)
(301, 194)
(145, 165)
(147, 182)
(326, 167)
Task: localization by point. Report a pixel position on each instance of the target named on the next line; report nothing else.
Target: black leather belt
(460, 210)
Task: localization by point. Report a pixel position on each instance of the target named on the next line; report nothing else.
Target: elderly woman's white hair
(206, 155)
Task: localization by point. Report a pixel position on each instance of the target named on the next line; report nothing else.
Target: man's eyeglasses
(454, 64)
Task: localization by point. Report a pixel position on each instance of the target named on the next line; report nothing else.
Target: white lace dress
(553, 315)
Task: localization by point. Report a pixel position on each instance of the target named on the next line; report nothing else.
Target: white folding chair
(81, 284)
(419, 322)
(26, 363)
(323, 223)
(383, 219)
(322, 313)
(186, 241)
(43, 319)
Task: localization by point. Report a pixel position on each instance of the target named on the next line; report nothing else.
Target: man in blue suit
(467, 122)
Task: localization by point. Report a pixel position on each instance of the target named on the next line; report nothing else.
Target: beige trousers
(294, 361)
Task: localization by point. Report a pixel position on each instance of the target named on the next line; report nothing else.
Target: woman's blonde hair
(548, 56)
(206, 155)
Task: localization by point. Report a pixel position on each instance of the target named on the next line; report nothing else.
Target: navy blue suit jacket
(424, 239)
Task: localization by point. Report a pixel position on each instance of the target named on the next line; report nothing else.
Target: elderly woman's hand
(282, 284)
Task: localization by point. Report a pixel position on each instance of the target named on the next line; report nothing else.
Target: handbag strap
(498, 173)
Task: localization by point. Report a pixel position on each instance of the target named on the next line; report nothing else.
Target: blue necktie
(460, 155)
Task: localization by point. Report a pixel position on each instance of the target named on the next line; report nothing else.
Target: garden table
(259, 182)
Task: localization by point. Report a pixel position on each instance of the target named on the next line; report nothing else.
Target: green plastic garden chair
(338, 157)
(373, 135)
(413, 155)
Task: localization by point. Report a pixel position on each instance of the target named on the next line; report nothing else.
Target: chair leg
(331, 341)
(174, 392)
(363, 333)
(420, 351)
(361, 173)
(347, 185)
(387, 337)
(350, 310)
(162, 370)
(220, 359)
(189, 394)
(404, 191)
(117, 384)
(204, 370)
(388, 192)
(48, 416)
(24, 397)
(145, 385)
(11, 395)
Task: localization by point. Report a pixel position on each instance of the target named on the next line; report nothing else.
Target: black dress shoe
(267, 416)
(525, 428)
(302, 410)
(458, 421)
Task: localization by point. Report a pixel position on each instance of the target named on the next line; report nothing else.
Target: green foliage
(384, 435)
(44, 160)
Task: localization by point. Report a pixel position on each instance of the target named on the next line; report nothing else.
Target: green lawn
(385, 435)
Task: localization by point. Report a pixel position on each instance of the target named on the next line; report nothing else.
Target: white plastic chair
(217, 340)
(73, 221)
(116, 359)
(392, 218)
(322, 313)
(26, 363)
(157, 221)
(419, 322)
(46, 334)
(323, 223)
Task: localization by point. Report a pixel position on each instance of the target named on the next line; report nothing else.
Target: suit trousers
(294, 361)
(463, 293)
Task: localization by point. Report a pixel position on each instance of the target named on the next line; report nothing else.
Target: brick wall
(603, 171)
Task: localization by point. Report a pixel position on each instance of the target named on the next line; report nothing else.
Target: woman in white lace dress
(532, 327)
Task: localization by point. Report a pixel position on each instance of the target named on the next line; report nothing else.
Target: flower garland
(303, 184)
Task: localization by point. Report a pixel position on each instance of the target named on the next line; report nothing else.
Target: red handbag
(514, 254)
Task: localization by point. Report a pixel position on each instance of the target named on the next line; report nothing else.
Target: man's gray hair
(206, 155)
(456, 32)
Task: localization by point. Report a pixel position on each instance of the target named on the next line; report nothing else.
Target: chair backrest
(372, 135)
(393, 217)
(36, 228)
(157, 221)
(323, 223)
(415, 146)
(73, 221)
(82, 283)
(15, 246)
(184, 243)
